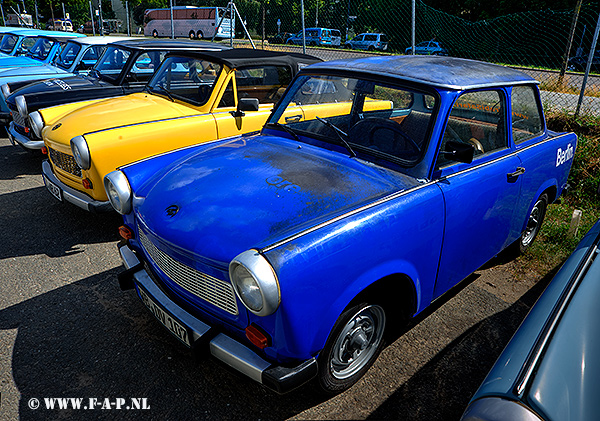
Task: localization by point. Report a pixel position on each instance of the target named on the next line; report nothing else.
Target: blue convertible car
(376, 185)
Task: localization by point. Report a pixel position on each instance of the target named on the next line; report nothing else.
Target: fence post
(412, 26)
(588, 66)
(303, 28)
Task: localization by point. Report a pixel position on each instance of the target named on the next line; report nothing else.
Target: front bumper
(4, 118)
(63, 192)
(224, 348)
(24, 141)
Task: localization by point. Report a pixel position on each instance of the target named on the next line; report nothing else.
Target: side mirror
(245, 104)
(458, 151)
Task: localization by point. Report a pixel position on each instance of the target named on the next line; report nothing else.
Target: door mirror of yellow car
(245, 104)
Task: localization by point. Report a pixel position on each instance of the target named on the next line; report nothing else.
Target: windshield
(8, 43)
(111, 64)
(185, 78)
(375, 119)
(67, 56)
(41, 48)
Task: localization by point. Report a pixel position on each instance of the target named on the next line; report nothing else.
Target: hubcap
(358, 341)
(533, 225)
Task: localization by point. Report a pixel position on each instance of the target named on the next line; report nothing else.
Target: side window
(267, 83)
(228, 98)
(526, 115)
(145, 65)
(477, 119)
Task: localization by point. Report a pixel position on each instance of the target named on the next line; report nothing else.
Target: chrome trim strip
(345, 215)
(399, 194)
(238, 356)
(551, 324)
(73, 196)
(145, 122)
(23, 140)
(224, 140)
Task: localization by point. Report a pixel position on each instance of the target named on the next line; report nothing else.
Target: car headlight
(81, 152)
(255, 282)
(5, 90)
(37, 123)
(118, 191)
(21, 106)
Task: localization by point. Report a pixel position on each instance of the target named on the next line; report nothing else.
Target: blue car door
(546, 165)
(480, 197)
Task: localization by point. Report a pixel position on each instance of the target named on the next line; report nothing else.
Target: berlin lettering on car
(373, 189)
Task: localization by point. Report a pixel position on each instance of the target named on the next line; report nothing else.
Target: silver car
(370, 42)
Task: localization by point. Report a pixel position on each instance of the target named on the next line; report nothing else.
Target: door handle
(519, 171)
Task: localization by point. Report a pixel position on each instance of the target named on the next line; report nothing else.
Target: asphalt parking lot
(67, 331)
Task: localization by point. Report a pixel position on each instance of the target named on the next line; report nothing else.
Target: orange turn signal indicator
(257, 336)
(44, 150)
(125, 232)
(87, 183)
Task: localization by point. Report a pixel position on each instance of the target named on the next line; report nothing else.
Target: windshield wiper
(285, 128)
(340, 133)
(160, 91)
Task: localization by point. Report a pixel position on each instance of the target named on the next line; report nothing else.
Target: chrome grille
(64, 162)
(217, 292)
(18, 119)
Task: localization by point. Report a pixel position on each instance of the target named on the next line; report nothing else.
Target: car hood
(38, 91)
(39, 69)
(20, 61)
(122, 111)
(256, 191)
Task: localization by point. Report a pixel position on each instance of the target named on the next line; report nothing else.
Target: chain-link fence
(551, 45)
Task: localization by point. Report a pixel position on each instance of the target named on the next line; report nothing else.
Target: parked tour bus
(189, 21)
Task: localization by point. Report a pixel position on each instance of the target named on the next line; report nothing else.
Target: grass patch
(554, 244)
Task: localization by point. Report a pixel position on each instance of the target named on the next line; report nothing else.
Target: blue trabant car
(32, 48)
(376, 185)
(549, 370)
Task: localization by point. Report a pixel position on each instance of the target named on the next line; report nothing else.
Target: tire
(155, 33)
(192, 35)
(371, 48)
(199, 35)
(313, 44)
(359, 330)
(348, 46)
(534, 222)
(290, 43)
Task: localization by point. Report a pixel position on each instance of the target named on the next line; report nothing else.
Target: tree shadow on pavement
(441, 389)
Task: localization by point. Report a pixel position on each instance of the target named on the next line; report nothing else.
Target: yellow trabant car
(192, 98)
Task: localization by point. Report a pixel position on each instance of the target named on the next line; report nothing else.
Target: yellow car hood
(116, 112)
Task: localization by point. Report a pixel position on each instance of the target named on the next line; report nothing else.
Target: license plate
(168, 321)
(53, 189)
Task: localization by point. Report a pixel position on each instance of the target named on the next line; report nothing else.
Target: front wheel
(534, 222)
(192, 35)
(353, 345)
(155, 33)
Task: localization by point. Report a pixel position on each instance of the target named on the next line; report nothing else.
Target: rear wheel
(192, 35)
(199, 35)
(155, 33)
(353, 345)
(534, 222)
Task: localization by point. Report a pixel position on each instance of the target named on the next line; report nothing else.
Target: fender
(549, 184)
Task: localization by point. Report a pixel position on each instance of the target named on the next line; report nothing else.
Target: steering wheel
(373, 125)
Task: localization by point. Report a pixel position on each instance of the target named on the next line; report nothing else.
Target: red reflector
(26, 129)
(87, 183)
(44, 150)
(125, 232)
(257, 336)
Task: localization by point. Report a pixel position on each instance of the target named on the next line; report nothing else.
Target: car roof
(442, 72)
(238, 57)
(166, 44)
(103, 40)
